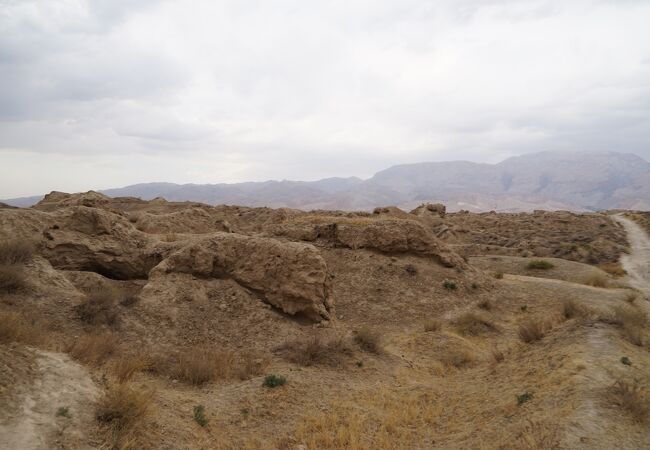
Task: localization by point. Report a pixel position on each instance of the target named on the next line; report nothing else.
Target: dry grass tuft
(473, 324)
(634, 323)
(100, 307)
(170, 237)
(127, 366)
(532, 331)
(317, 351)
(432, 325)
(596, 280)
(15, 328)
(12, 278)
(572, 309)
(457, 357)
(539, 264)
(497, 355)
(485, 304)
(632, 398)
(198, 366)
(369, 340)
(94, 349)
(120, 412)
(615, 269)
(16, 252)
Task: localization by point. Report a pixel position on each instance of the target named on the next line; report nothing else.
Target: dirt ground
(412, 346)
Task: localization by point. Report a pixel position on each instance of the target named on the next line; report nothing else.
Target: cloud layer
(98, 94)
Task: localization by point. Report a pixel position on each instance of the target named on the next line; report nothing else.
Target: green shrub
(450, 285)
(273, 381)
(199, 415)
(539, 264)
(523, 398)
(625, 360)
(63, 411)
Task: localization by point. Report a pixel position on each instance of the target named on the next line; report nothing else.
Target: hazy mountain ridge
(547, 180)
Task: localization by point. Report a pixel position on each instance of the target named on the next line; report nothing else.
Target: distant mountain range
(547, 180)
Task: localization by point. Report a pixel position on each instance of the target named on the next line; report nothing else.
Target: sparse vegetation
(498, 275)
(432, 325)
(369, 340)
(121, 410)
(411, 269)
(93, 349)
(474, 324)
(532, 331)
(12, 278)
(457, 357)
(100, 308)
(613, 268)
(498, 355)
(596, 280)
(450, 285)
(634, 323)
(15, 328)
(317, 350)
(273, 381)
(199, 415)
(199, 366)
(523, 398)
(626, 361)
(16, 252)
(485, 304)
(128, 365)
(633, 398)
(571, 309)
(539, 264)
(63, 411)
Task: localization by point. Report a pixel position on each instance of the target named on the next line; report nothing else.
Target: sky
(97, 94)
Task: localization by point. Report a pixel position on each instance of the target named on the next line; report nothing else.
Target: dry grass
(432, 325)
(497, 355)
(631, 397)
(634, 323)
(15, 328)
(100, 307)
(596, 280)
(317, 351)
(473, 324)
(121, 411)
(369, 340)
(457, 357)
(170, 237)
(572, 309)
(615, 269)
(539, 264)
(16, 252)
(532, 330)
(485, 304)
(12, 278)
(94, 349)
(198, 366)
(127, 366)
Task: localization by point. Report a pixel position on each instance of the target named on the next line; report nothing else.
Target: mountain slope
(547, 180)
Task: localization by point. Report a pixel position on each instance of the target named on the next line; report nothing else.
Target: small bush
(199, 415)
(450, 285)
(473, 324)
(497, 355)
(523, 398)
(631, 398)
(273, 381)
(498, 275)
(94, 349)
(539, 264)
(12, 278)
(596, 280)
(523, 308)
(485, 304)
(199, 366)
(121, 410)
(532, 331)
(16, 252)
(626, 361)
(63, 411)
(317, 350)
(369, 340)
(411, 269)
(100, 308)
(613, 268)
(457, 357)
(634, 323)
(571, 309)
(432, 325)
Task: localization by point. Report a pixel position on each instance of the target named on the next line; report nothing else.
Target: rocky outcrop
(290, 276)
(92, 239)
(56, 200)
(189, 220)
(430, 208)
(385, 235)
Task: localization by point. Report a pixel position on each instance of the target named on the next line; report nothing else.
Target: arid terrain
(136, 324)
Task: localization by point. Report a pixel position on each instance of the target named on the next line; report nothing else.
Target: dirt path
(637, 263)
(48, 381)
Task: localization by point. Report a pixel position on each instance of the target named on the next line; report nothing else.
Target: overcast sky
(101, 93)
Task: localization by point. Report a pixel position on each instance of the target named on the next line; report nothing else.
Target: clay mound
(189, 220)
(288, 275)
(426, 209)
(96, 240)
(392, 236)
(56, 200)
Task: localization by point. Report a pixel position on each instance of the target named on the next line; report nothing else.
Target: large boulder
(290, 276)
(96, 240)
